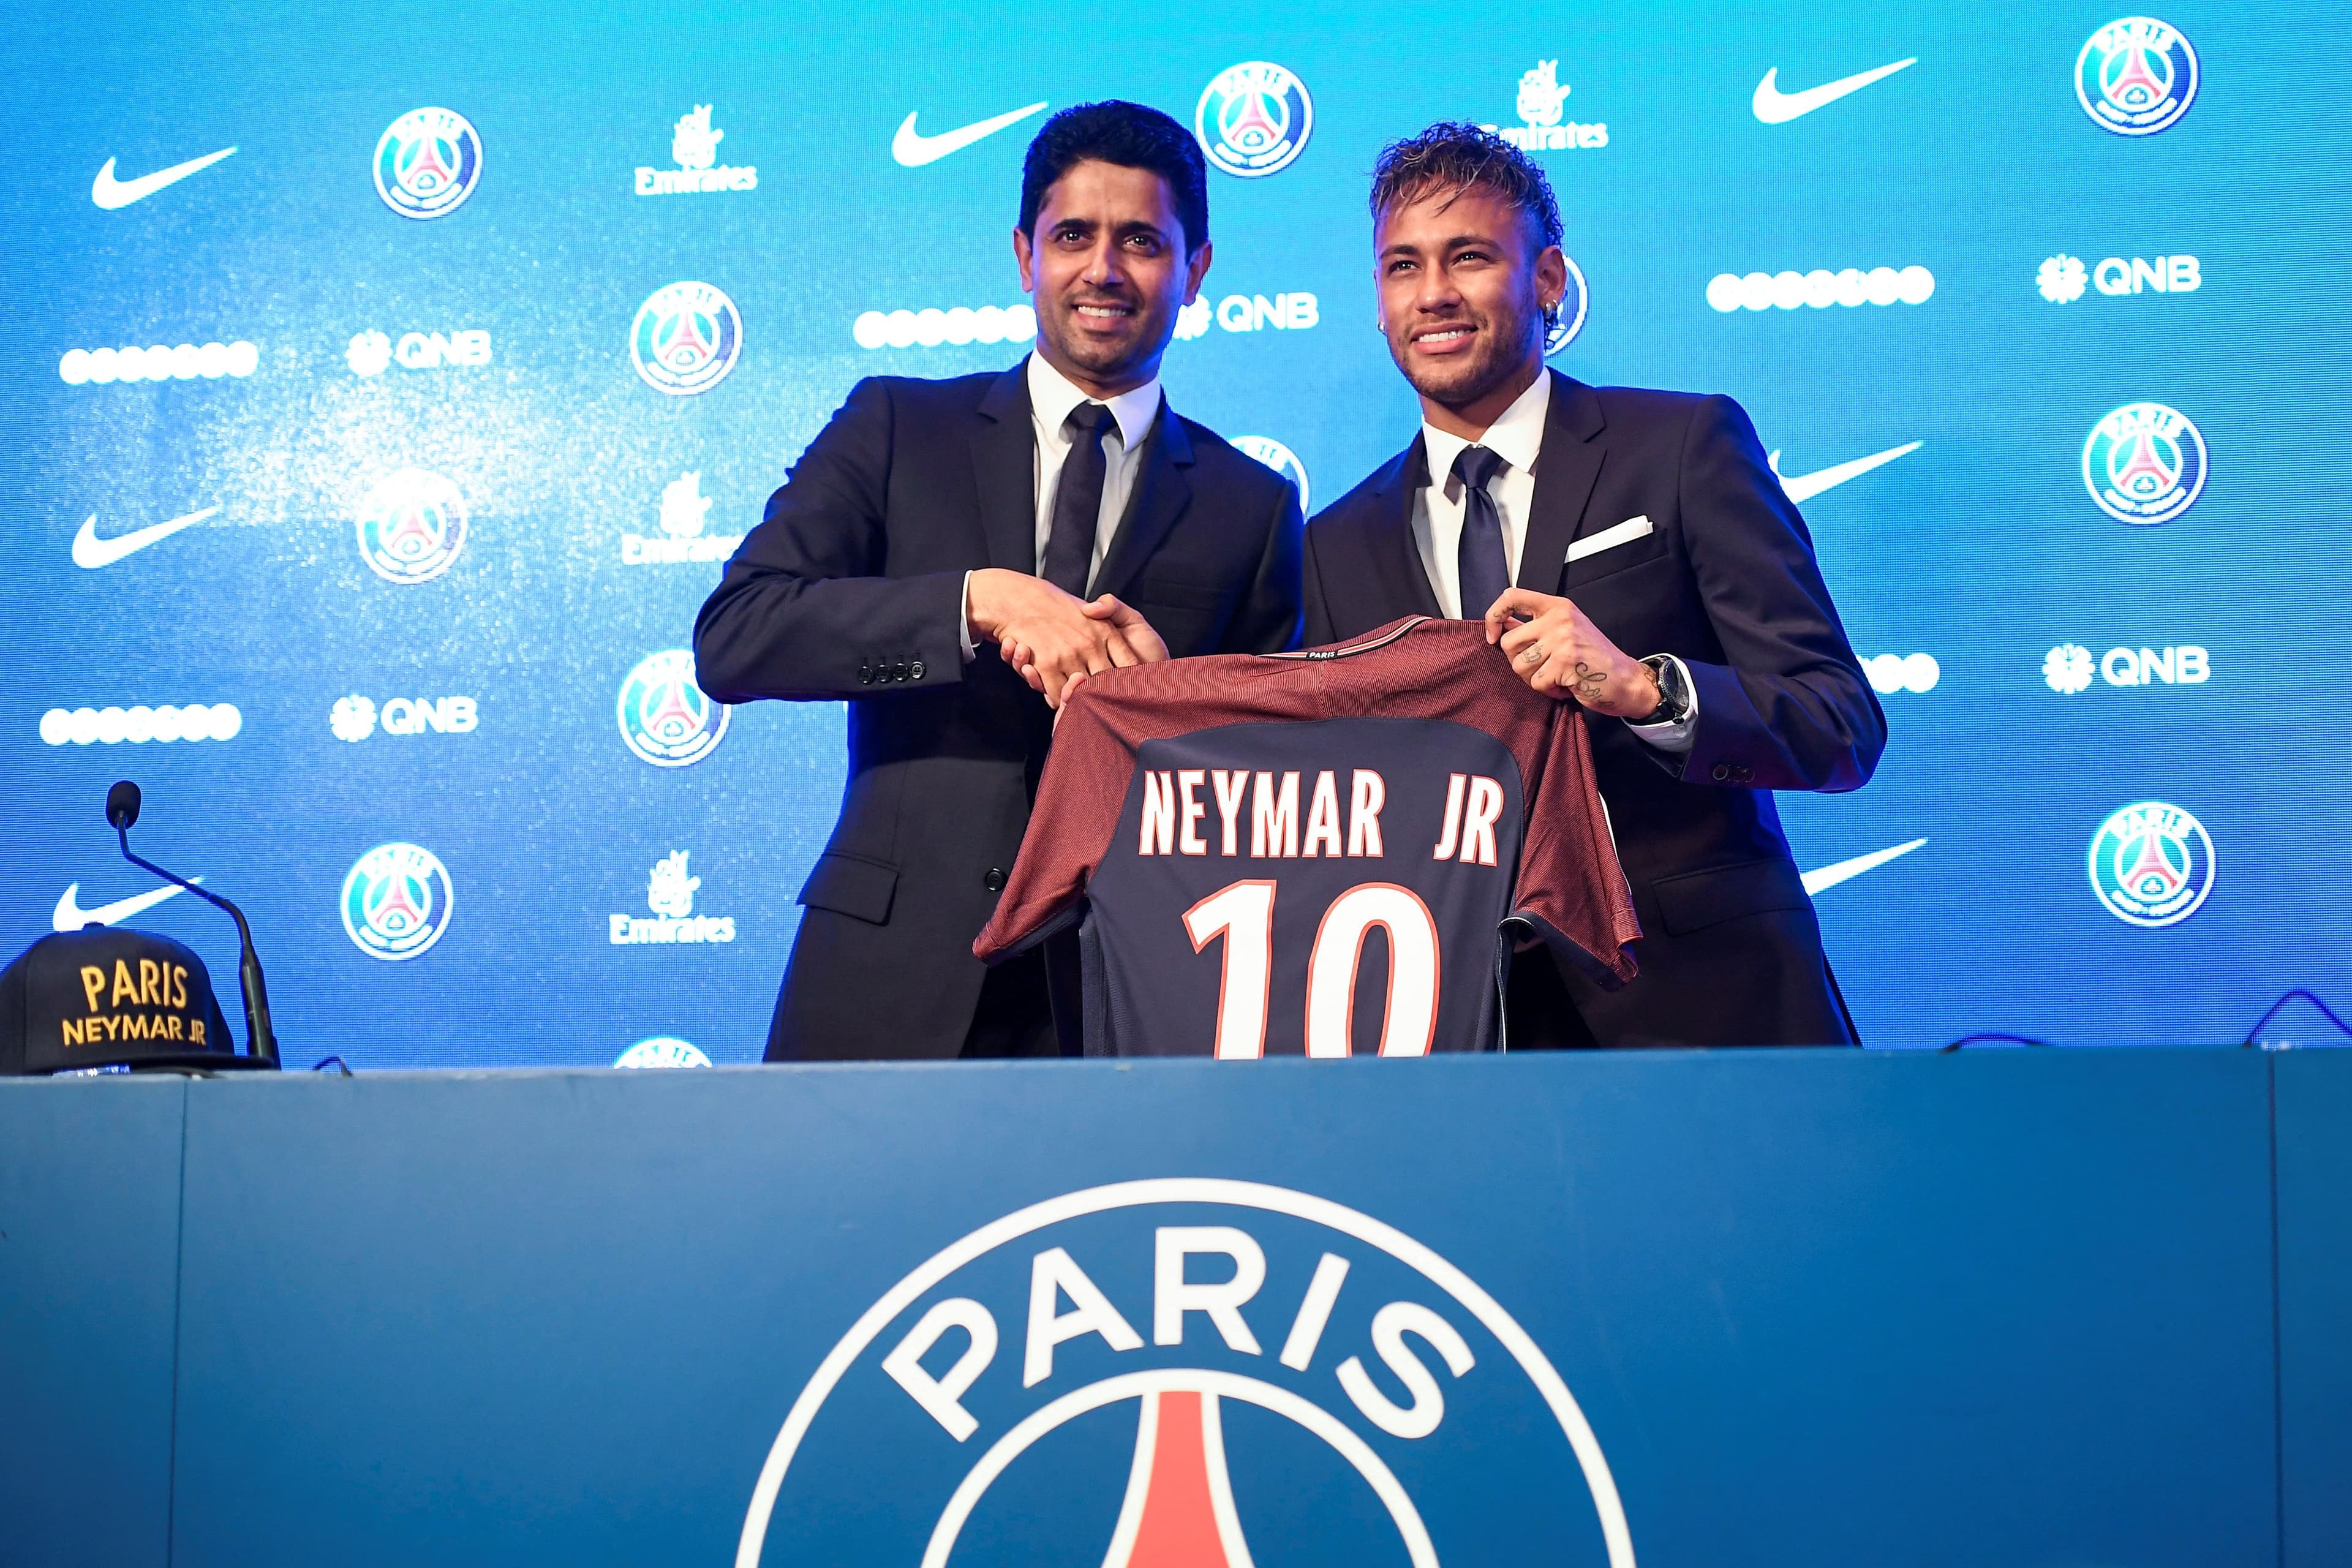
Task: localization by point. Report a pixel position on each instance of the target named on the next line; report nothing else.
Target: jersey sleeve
(1079, 802)
(1571, 891)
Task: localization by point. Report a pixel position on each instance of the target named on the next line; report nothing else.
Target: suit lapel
(1565, 472)
(1161, 493)
(1004, 464)
(1400, 580)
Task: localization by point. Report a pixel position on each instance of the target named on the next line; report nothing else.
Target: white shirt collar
(1516, 436)
(1051, 395)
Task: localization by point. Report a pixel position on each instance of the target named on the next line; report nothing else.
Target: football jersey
(1331, 852)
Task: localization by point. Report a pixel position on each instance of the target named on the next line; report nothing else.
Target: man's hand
(1053, 637)
(1554, 648)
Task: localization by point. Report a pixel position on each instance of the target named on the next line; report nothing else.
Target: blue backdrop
(360, 451)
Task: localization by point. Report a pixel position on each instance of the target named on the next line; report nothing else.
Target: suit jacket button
(1744, 775)
(1721, 772)
(994, 880)
(898, 670)
(916, 670)
(866, 675)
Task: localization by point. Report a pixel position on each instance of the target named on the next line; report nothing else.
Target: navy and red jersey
(1329, 852)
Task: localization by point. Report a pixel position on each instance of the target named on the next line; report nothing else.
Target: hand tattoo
(1589, 682)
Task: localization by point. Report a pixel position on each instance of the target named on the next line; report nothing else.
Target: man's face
(1463, 293)
(1109, 272)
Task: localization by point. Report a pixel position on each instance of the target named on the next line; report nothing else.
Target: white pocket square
(1625, 533)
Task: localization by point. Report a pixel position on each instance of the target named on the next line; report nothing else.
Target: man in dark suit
(1583, 522)
(1059, 511)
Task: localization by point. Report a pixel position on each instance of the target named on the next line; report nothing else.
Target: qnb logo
(2068, 667)
(370, 352)
(100, 367)
(1254, 119)
(396, 901)
(2061, 278)
(2151, 864)
(2144, 463)
(1889, 673)
(662, 1051)
(694, 148)
(137, 725)
(1188, 1371)
(2136, 77)
(1819, 288)
(427, 163)
(1278, 457)
(665, 719)
(1544, 125)
(354, 717)
(1295, 311)
(930, 328)
(669, 893)
(684, 511)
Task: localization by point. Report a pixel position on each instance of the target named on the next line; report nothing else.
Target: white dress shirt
(1517, 437)
(1052, 396)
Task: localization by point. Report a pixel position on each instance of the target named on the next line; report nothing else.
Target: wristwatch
(1674, 692)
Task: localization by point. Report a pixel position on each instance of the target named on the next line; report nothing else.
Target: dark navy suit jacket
(1725, 580)
(852, 588)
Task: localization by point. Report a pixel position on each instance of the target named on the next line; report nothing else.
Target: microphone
(260, 1043)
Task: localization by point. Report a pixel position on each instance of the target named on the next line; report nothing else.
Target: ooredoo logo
(1188, 1370)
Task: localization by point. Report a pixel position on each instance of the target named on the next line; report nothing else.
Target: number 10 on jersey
(1243, 914)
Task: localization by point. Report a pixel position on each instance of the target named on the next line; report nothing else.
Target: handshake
(1053, 638)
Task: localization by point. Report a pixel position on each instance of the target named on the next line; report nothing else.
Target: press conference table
(2010, 1307)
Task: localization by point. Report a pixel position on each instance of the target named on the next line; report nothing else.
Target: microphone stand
(260, 1042)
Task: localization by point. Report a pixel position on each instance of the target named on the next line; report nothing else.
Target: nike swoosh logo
(70, 916)
(1846, 870)
(1774, 107)
(914, 150)
(110, 193)
(91, 552)
(1802, 487)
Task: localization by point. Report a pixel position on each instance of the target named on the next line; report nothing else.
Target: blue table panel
(2314, 1288)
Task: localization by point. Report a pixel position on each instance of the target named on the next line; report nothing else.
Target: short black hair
(1452, 156)
(1127, 135)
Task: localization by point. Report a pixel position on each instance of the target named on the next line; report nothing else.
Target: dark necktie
(1484, 566)
(1077, 502)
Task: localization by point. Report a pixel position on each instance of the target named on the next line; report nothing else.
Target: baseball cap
(105, 996)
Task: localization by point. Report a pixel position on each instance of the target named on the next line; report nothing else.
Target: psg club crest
(1188, 1371)
(427, 163)
(665, 717)
(2136, 77)
(1571, 309)
(685, 338)
(1255, 119)
(2151, 864)
(412, 525)
(396, 901)
(662, 1051)
(2144, 463)
(1278, 457)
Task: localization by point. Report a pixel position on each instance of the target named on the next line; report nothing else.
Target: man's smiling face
(1462, 293)
(1107, 269)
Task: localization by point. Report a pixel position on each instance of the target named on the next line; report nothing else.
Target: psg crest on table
(2145, 463)
(1255, 119)
(2136, 77)
(665, 717)
(412, 524)
(685, 338)
(1187, 1370)
(427, 163)
(396, 901)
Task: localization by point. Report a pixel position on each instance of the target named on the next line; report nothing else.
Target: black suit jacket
(1725, 580)
(852, 589)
